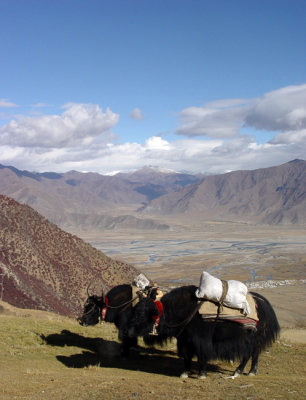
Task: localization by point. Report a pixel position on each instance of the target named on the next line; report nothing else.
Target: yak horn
(88, 288)
(103, 293)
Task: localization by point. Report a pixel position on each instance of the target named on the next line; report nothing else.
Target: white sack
(141, 281)
(211, 289)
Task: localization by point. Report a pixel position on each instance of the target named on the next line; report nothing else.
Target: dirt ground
(47, 357)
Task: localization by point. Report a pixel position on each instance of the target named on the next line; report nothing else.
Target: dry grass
(55, 358)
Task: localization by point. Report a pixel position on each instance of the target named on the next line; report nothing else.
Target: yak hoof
(202, 376)
(185, 374)
(235, 375)
(252, 374)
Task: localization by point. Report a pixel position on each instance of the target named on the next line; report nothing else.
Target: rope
(92, 308)
(186, 321)
(223, 295)
(139, 293)
(123, 304)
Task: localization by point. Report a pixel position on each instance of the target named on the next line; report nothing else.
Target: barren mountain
(139, 200)
(46, 268)
(270, 195)
(74, 198)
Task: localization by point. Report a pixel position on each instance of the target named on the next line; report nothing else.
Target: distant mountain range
(75, 199)
(275, 195)
(46, 268)
(143, 199)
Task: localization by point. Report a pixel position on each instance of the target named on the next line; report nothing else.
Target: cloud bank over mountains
(216, 137)
(281, 110)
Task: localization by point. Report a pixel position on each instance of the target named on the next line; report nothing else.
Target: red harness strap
(246, 322)
(160, 309)
(104, 310)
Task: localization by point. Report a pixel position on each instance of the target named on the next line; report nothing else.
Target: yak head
(92, 309)
(143, 318)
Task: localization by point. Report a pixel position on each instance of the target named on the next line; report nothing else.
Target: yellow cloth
(135, 290)
(209, 309)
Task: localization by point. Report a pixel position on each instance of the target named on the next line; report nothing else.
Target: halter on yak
(141, 288)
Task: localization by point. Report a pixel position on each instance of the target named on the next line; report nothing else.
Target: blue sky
(199, 86)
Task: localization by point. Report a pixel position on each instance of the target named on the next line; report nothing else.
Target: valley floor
(270, 259)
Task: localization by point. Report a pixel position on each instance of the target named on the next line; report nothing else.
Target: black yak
(116, 307)
(206, 339)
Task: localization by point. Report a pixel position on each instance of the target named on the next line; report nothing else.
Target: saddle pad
(135, 290)
(209, 309)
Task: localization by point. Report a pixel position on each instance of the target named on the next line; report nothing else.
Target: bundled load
(228, 293)
(141, 281)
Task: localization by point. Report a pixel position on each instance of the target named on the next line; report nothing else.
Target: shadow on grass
(106, 353)
(67, 338)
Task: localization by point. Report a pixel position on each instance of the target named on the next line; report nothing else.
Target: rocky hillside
(46, 268)
(275, 195)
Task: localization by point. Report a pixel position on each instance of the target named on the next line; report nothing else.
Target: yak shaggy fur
(206, 339)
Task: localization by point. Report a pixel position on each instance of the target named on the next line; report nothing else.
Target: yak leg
(186, 353)
(187, 366)
(202, 360)
(127, 343)
(240, 368)
(254, 366)
(202, 368)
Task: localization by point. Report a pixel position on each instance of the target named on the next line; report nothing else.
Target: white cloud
(80, 138)
(281, 110)
(157, 142)
(79, 124)
(193, 155)
(290, 137)
(221, 119)
(136, 114)
(5, 103)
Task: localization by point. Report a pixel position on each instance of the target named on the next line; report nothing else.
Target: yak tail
(268, 328)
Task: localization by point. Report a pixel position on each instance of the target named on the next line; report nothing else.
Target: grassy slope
(44, 356)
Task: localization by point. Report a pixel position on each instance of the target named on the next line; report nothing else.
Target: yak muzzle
(80, 321)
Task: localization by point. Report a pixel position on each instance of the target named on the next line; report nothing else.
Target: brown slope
(55, 195)
(269, 195)
(107, 222)
(46, 268)
(68, 198)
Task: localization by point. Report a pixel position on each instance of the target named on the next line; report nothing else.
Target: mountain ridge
(267, 195)
(142, 199)
(67, 198)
